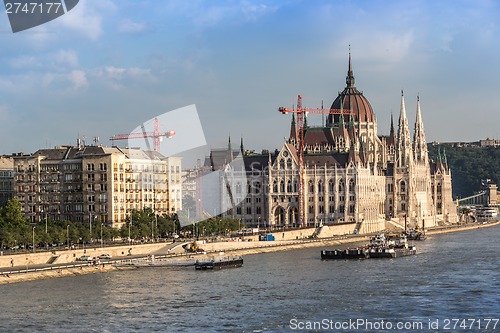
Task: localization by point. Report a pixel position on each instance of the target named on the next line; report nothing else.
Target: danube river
(451, 285)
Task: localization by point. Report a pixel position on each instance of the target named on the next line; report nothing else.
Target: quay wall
(67, 256)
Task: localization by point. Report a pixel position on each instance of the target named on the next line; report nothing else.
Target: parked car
(84, 258)
(104, 256)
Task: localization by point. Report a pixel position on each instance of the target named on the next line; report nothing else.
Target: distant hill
(468, 166)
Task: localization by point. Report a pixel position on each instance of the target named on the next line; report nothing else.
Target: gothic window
(331, 186)
(320, 187)
(403, 206)
(332, 209)
(238, 188)
(341, 186)
(249, 210)
(403, 187)
(295, 186)
(321, 209)
(351, 185)
(289, 187)
(282, 186)
(289, 163)
(275, 187)
(351, 209)
(282, 164)
(311, 186)
(258, 210)
(389, 188)
(439, 187)
(311, 209)
(257, 187)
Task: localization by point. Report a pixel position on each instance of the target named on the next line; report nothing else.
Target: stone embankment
(245, 246)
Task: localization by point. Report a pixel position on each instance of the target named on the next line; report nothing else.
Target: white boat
(486, 213)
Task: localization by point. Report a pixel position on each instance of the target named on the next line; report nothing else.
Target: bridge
(487, 197)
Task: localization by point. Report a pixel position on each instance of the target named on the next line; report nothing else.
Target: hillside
(468, 166)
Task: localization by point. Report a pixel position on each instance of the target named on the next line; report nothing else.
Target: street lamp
(34, 238)
(90, 223)
(67, 234)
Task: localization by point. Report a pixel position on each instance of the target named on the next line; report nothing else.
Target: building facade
(6, 179)
(95, 184)
(352, 175)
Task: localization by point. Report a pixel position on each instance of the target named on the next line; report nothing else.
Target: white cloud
(86, 18)
(78, 78)
(67, 57)
(129, 26)
(119, 77)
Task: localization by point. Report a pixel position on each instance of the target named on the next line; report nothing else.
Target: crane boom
(156, 135)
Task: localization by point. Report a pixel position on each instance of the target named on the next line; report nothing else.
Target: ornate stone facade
(352, 175)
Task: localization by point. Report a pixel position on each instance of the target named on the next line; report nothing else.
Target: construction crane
(156, 135)
(301, 111)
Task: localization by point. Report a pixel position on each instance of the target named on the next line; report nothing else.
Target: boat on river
(380, 246)
(219, 263)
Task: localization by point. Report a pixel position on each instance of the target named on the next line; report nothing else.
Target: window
(249, 210)
(320, 187)
(389, 188)
(403, 187)
(331, 186)
(351, 185)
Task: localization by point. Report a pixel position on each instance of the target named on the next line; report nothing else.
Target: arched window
(351, 185)
(331, 186)
(295, 187)
(289, 163)
(341, 186)
(403, 206)
(311, 187)
(282, 164)
(275, 187)
(320, 187)
(289, 187)
(282, 186)
(403, 187)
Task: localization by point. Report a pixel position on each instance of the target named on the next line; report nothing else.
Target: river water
(454, 277)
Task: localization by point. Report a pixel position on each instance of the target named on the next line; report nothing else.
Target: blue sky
(107, 66)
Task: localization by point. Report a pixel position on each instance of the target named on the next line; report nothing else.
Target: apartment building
(96, 184)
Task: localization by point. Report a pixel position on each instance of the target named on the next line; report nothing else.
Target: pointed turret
(419, 142)
(293, 130)
(242, 148)
(392, 135)
(404, 151)
(349, 80)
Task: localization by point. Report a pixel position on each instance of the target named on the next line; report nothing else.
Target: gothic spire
(350, 76)
(293, 130)
(404, 149)
(392, 136)
(419, 142)
(242, 149)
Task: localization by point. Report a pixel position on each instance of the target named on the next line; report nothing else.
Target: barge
(219, 263)
(381, 246)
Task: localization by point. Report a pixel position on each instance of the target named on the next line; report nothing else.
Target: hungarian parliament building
(351, 174)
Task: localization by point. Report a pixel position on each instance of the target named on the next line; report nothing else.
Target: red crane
(156, 135)
(300, 140)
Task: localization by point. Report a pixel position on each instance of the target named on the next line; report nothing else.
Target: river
(454, 277)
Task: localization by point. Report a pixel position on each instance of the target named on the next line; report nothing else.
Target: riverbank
(237, 248)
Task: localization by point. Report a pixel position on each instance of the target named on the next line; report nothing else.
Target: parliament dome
(352, 99)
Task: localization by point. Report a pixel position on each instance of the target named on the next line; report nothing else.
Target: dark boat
(219, 263)
(381, 246)
(356, 253)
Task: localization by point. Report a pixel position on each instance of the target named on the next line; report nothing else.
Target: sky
(107, 66)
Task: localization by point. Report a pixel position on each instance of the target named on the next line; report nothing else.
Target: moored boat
(381, 246)
(219, 263)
